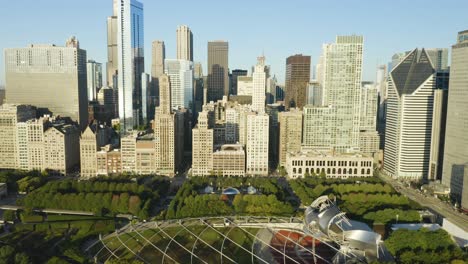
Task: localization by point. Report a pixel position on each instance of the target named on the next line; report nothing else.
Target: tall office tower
(455, 170)
(145, 96)
(439, 58)
(273, 111)
(341, 89)
(108, 97)
(381, 84)
(236, 73)
(197, 70)
(290, 135)
(112, 50)
(184, 43)
(280, 92)
(130, 45)
(94, 72)
(259, 86)
(369, 104)
(369, 138)
(439, 122)
(10, 116)
(258, 125)
(409, 117)
(158, 55)
(202, 147)
(297, 81)
(56, 76)
(218, 70)
(180, 74)
(271, 84)
(164, 130)
(232, 124)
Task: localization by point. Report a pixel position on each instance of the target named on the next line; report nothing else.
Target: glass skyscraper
(131, 62)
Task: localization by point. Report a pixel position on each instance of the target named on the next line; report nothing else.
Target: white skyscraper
(145, 96)
(180, 74)
(409, 117)
(257, 144)
(341, 65)
(259, 85)
(130, 45)
(184, 43)
(94, 74)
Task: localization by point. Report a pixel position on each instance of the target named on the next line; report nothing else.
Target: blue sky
(277, 28)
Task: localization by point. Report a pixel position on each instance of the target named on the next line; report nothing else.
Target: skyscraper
(439, 58)
(409, 117)
(297, 81)
(336, 124)
(455, 170)
(112, 51)
(202, 157)
(218, 69)
(94, 72)
(180, 74)
(257, 144)
(259, 85)
(290, 135)
(158, 56)
(184, 43)
(131, 62)
(164, 130)
(50, 77)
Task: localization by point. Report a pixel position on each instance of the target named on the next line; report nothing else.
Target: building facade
(130, 52)
(229, 161)
(332, 165)
(290, 133)
(184, 43)
(258, 126)
(57, 76)
(94, 72)
(180, 73)
(297, 81)
(218, 70)
(455, 170)
(409, 117)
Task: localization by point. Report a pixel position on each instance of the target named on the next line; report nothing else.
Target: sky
(275, 28)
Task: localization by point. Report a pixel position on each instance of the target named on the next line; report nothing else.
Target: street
(431, 202)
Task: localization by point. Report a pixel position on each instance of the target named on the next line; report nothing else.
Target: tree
(6, 254)
(22, 258)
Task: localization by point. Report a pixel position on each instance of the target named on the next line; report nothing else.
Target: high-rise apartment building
(337, 123)
(218, 70)
(94, 72)
(369, 104)
(259, 86)
(49, 77)
(455, 170)
(202, 147)
(130, 53)
(257, 144)
(180, 74)
(290, 133)
(297, 81)
(184, 43)
(409, 117)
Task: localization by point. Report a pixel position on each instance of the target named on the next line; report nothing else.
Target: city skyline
(381, 41)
